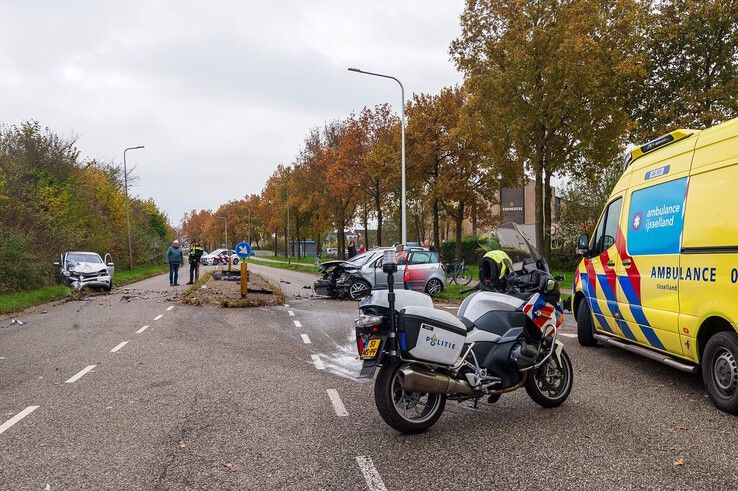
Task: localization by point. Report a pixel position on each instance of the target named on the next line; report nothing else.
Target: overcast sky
(218, 95)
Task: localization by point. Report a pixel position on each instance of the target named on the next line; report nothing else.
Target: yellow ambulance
(659, 275)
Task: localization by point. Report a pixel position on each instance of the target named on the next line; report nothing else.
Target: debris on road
(679, 461)
(228, 293)
(15, 322)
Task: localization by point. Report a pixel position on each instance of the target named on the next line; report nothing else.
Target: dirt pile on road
(210, 291)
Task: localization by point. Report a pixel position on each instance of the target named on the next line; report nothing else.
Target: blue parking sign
(243, 250)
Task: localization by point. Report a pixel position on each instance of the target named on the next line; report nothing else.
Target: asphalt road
(211, 398)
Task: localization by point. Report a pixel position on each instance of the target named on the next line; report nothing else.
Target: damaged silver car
(86, 269)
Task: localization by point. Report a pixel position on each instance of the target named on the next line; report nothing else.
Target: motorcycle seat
(500, 321)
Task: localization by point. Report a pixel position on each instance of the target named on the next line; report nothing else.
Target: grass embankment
(13, 302)
(302, 267)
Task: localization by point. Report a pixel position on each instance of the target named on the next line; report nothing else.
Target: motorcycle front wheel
(550, 384)
(407, 412)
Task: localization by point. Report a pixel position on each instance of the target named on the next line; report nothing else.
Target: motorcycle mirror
(560, 277)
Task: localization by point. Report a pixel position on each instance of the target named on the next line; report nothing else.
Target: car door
(419, 268)
(380, 277)
(600, 281)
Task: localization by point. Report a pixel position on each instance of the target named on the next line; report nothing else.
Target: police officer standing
(196, 252)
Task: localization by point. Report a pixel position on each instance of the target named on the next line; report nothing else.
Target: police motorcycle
(498, 342)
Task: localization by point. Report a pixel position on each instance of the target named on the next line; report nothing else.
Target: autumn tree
(553, 81)
(693, 66)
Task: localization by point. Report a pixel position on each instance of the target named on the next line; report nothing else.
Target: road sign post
(243, 250)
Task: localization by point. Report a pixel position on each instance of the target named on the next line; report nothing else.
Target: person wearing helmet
(494, 268)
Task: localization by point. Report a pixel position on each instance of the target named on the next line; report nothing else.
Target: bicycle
(458, 273)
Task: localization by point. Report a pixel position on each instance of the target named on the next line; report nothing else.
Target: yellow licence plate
(371, 350)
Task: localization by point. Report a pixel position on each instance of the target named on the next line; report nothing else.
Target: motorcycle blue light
(403, 341)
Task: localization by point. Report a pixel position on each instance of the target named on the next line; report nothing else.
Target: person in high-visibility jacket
(196, 252)
(494, 269)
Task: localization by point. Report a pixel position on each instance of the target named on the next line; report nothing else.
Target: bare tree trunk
(459, 224)
(286, 245)
(366, 224)
(436, 224)
(474, 216)
(276, 244)
(297, 232)
(547, 216)
(539, 208)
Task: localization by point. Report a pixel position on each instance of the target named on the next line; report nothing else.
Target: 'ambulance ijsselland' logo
(637, 221)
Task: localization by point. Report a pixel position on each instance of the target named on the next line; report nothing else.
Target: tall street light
(128, 218)
(402, 92)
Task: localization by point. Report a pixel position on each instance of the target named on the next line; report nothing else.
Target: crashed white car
(86, 269)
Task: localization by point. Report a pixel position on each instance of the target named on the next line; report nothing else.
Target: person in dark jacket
(175, 259)
(196, 252)
(351, 249)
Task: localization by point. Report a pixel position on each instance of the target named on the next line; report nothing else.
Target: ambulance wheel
(585, 326)
(720, 370)
(407, 412)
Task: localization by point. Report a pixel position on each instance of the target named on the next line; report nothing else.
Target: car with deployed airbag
(85, 269)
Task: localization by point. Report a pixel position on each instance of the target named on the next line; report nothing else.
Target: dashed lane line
(318, 362)
(79, 374)
(142, 329)
(567, 335)
(170, 308)
(371, 476)
(117, 348)
(158, 317)
(286, 306)
(9, 423)
(338, 406)
(297, 323)
(305, 338)
(292, 314)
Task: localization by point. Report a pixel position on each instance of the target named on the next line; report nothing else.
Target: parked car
(219, 256)
(86, 269)
(357, 277)
(331, 252)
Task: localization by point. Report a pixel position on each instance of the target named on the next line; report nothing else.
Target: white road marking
(371, 476)
(292, 314)
(119, 346)
(142, 329)
(79, 374)
(158, 317)
(337, 402)
(317, 362)
(170, 308)
(286, 306)
(567, 335)
(450, 307)
(305, 338)
(297, 323)
(5, 426)
(3, 358)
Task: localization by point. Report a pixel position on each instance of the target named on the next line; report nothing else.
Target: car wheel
(585, 325)
(109, 286)
(434, 287)
(359, 289)
(720, 370)
(235, 261)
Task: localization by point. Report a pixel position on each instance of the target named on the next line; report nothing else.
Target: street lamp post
(402, 125)
(128, 218)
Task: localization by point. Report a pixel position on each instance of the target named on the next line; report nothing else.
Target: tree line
(552, 89)
(52, 200)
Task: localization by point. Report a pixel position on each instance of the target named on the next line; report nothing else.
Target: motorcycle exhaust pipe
(432, 383)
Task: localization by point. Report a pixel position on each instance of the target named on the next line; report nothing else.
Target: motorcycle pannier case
(431, 335)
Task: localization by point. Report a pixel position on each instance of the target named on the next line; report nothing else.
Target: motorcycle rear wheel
(550, 384)
(407, 412)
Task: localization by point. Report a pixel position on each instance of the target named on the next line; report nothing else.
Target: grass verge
(304, 268)
(123, 276)
(13, 302)
(16, 301)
